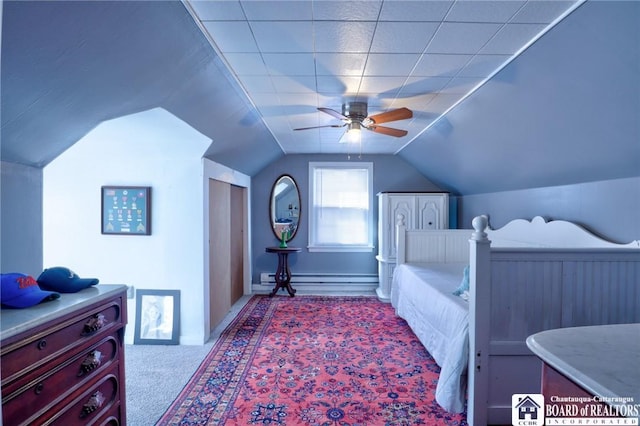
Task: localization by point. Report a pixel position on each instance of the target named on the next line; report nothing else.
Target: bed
(526, 277)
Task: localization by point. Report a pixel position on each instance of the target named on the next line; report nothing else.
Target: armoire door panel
(400, 207)
(428, 216)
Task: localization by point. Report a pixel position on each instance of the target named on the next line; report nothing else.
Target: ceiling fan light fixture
(353, 133)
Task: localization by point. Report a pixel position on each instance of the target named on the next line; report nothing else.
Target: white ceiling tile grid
(292, 57)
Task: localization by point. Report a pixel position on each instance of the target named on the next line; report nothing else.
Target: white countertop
(604, 360)
(14, 321)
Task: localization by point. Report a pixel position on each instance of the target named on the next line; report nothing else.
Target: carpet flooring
(156, 374)
(313, 360)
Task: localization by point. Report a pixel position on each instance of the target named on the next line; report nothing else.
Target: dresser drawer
(41, 392)
(92, 405)
(96, 405)
(60, 340)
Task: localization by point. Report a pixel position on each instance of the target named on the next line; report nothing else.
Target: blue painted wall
(390, 173)
(610, 209)
(20, 219)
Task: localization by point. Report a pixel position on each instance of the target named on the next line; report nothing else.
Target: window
(340, 206)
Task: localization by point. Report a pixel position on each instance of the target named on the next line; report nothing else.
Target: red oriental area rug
(312, 360)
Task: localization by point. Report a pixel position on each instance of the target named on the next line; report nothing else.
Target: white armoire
(417, 210)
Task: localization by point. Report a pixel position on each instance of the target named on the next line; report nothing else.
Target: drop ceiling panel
(390, 64)
(484, 11)
(347, 64)
(466, 38)
(403, 37)
(290, 64)
(338, 84)
(346, 11)
(389, 85)
(287, 10)
(304, 84)
(347, 37)
(411, 10)
(442, 65)
(283, 36)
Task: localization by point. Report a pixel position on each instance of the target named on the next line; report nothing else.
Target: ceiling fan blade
(387, 131)
(393, 115)
(320, 127)
(334, 113)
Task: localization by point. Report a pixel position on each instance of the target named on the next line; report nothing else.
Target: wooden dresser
(63, 360)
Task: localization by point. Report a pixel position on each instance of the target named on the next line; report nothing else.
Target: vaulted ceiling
(504, 94)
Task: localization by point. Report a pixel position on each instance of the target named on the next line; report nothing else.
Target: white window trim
(369, 247)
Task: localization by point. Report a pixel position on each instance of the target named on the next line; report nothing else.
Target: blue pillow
(464, 285)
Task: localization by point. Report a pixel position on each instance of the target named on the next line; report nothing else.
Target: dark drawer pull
(95, 402)
(38, 388)
(94, 324)
(42, 344)
(90, 363)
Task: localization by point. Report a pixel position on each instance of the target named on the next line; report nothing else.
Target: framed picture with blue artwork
(126, 210)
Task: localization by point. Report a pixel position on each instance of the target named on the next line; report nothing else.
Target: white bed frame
(527, 277)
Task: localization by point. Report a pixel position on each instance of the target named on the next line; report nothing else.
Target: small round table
(283, 274)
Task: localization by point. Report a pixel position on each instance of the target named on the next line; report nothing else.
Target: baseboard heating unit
(306, 283)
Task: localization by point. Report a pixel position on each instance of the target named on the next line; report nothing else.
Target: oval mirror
(284, 211)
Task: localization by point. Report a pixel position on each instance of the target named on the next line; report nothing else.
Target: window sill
(341, 249)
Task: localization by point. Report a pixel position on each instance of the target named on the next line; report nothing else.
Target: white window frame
(314, 246)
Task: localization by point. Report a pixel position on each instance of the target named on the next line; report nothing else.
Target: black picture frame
(126, 210)
(157, 317)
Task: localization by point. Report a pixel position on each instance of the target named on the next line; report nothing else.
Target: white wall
(151, 148)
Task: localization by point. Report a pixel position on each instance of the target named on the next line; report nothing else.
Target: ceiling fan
(354, 115)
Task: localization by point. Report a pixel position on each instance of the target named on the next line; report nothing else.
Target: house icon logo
(527, 410)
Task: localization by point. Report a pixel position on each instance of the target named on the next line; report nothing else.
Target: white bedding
(422, 295)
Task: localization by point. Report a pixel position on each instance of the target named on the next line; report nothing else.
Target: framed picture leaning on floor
(157, 317)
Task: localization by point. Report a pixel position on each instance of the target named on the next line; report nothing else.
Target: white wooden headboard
(452, 245)
(540, 233)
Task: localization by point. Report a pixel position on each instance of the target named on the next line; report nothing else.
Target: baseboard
(269, 278)
(323, 284)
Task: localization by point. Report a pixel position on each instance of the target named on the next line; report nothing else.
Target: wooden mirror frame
(294, 211)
